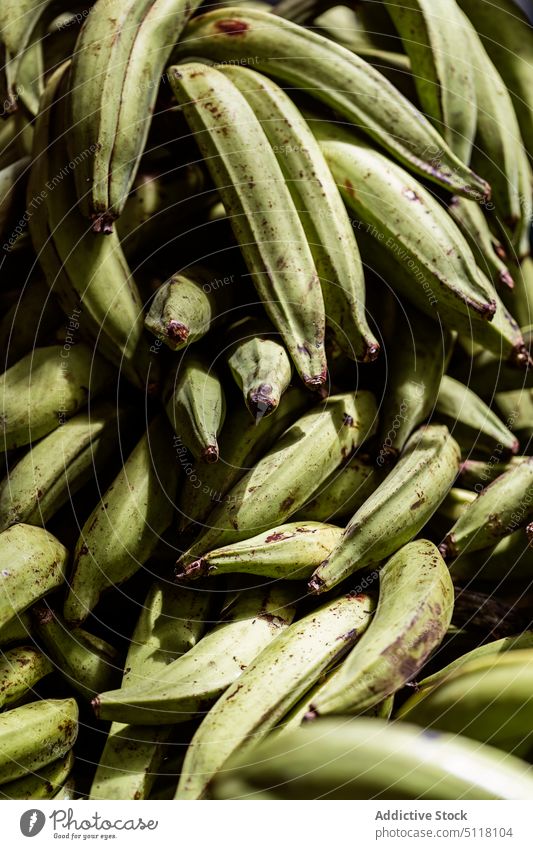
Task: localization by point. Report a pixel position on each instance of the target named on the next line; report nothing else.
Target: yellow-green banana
(20, 669)
(342, 493)
(43, 784)
(487, 248)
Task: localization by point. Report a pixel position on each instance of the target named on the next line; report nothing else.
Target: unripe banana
(55, 469)
(260, 366)
(367, 758)
(88, 663)
(418, 357)
(43, 784)
(471, 422)
(186, 307)
(18, 25)
(13, 179)
(16, 630)
(414, 610)
(67, 792)
(487, 249)
(287, 552)
(486, 699)
(192, 683)
(196, 405)
(270, 687)
(510, 559)
(346, 489)
(503, 507)
(262, 213)
(31, 322)
(397, 510)
(477, 474)
(34, 735)
(320, 207)
(34, 564)
(433, 36)
(20, 669)
(122, 531)
(46, 387)
(284, 479)
(455, 504)
(243, 442)
(119, 59)
(517, 408)
(336, 76)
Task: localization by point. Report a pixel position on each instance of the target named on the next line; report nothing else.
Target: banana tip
(103, 223)
(95, 704)
(316, 584)
(506, 279)
(191, 572)
(210, 454)
(372, 353)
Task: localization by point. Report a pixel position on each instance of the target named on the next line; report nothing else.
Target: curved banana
(272, 684)
(34, 735)
(320, 207)
(43, 784)
(20, 669)
(19, 34)
(337, 77)
(13, 179)
(487, 249)
(282, 481)
(477, 474)
(397, 510)
(116, 70)
(262, 213)
(346, 489)
(32, 320)
(36, 563)
(432, 32)
(17, 630)
(510, 559)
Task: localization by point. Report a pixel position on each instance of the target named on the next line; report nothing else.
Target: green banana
(418, 357)
(18, 26)
(517, 408)
(270, 687)
(67, 792)
(487, 249)
(407, 221)
(487, 699)
(123, 529)
(283, 480)
(185, 307)
(31, 321)
(88, 663)
(20, 669)
(510, 559)
(55, 469)
(337, 77)
(262, 213)
(43, 784)
(13, 179)
(89, 275)
(477, 474)
(170, 624)
(320, 207)
(504, 506)
(346, 489)
(192, 683)
(414, 610)
(17, 630)
(117, 65)
(455, 503)
(243, 442)
(432, 32)
(34, 564)
(196, 405)
(34, 735)
(366, 758)
(472, 423)
(287, 552)
(259, 364)
(54, 383)
(397, 510)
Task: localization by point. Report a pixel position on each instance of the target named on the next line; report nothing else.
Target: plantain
(346, 489)
(20, 669)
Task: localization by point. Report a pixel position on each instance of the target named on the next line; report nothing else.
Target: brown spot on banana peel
(231, 26)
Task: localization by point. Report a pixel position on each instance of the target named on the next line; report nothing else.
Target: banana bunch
(266, 334)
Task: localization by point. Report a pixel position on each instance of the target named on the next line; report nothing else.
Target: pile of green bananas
(266, 336)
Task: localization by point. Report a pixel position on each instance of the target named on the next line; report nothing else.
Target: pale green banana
(191, 684)
(259, 364)
(414, 610)
(118, 62)
(510, 559)
(397, 510)
(320, 207)
(122, 531)
(433, 36)
(470, 421)
(243, 442)
(287, 552)
(336, 76)
(20, 669)
(58, 466)
(487, 249)
(196, 405)
(46, 387)
(365, 758)
(34, 735)
(33, 564)
(477, 474)
(270, 687)
(284, 479)
(43, 784)
(30, 322)
(18, 24)
(17, 630)
(455, 504)
(517, 408)
(503, 507)
(346, 489)
(261, 211)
